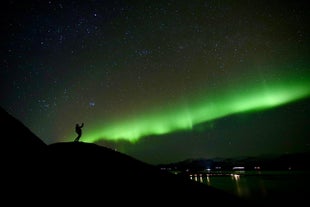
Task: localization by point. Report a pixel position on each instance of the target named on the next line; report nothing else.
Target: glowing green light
(221, 103)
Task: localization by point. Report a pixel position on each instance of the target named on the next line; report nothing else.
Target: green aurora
(185, 114)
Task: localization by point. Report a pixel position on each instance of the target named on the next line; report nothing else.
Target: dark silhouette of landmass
(78, 173)
(290, 161)
(282, 178)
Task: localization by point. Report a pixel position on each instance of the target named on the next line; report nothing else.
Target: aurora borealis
(181, 117)
(162, 81)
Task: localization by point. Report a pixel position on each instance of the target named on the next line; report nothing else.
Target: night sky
(162, 81)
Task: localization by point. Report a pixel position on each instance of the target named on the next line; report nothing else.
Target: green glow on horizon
(221, 103)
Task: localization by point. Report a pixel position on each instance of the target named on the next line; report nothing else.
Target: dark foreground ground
(86, 174)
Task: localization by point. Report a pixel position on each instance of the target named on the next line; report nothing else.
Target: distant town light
(238, 168)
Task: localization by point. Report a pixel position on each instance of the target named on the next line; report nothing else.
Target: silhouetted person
(78, 130)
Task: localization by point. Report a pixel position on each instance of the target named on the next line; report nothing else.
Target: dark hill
(17, 138)
(85, 174)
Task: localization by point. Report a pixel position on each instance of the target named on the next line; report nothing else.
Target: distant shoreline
(243, 173)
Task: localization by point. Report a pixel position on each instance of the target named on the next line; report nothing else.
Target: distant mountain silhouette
(86, 174)
(292, 161)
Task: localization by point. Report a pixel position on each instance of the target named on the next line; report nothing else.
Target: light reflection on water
(259, 186)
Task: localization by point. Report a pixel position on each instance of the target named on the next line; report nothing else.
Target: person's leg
(78, 137)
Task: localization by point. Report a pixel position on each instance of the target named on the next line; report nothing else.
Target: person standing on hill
(78, 130)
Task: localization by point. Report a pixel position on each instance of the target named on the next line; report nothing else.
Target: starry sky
(162, 81)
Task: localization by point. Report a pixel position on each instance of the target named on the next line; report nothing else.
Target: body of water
(263, 187)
